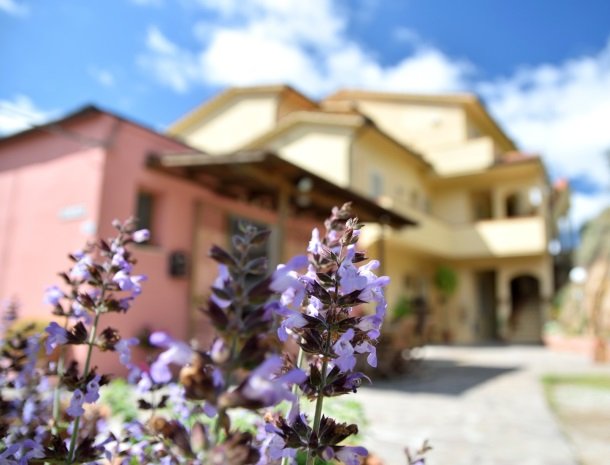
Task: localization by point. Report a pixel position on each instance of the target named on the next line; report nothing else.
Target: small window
(414, 198)
(145, 211)
(482, 208)
(375, 185)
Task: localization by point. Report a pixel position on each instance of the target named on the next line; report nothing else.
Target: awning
(263, 177)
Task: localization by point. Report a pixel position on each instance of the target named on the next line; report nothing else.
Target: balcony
(467, 157)
(506, 237)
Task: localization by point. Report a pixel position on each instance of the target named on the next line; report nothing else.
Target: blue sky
(542, 67)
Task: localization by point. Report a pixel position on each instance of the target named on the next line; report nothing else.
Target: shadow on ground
(444, 377)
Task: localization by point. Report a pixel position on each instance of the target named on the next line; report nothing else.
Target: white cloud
(103, 76)
(14, 8)
(562, 111)
(170, 65)
(302, 43)
(20, 113)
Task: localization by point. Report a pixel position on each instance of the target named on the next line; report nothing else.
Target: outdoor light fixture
(178, 264)
(304, 187)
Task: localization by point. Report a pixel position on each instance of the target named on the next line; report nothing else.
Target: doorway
(487, 321)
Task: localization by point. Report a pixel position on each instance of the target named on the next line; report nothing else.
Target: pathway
(476, 406)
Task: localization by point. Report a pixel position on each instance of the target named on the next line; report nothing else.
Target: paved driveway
(476, 405)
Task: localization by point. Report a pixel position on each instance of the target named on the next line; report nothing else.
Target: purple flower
(160, 339)
(283, 279)
(56, 336)
(315, 246)
(177, 352)
(346, 361)
(351, 279)
(219, 282)
(373, 290)
(80, 270)
(219, 351)
(118, 260)
(126, 282)
(29, 411)
(262, 387)
(123, 347)
(292, 319)
(142, 235)
(367, 347)
(351, 455)
(53, 295)
(93, 390)
(76, 404)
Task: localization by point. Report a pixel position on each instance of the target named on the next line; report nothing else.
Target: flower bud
(219, 352)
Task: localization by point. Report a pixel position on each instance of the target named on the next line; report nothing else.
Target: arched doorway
(525, 321)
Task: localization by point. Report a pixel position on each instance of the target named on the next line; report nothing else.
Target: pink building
(63, 183)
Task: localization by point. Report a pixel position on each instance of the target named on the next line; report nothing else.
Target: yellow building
(484, 210)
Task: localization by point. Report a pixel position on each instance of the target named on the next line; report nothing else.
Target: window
(375, 185)
(482, 205)
(145, 211)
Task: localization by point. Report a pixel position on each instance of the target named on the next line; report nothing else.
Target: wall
(234, 124)
(191, 219)
(321, 149)
(43, 217)
(403, 176)
(468, 156)
(422, 127)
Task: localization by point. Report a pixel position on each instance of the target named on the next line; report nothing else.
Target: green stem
(90, 342)
(57, 391)
(318, 413)
(295, 390)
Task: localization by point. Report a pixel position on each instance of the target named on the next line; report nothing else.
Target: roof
(261, 175)
(473, 105)
(225, 96)
(55, 127)
(349, 119)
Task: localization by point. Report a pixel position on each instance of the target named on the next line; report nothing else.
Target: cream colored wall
(234, 124)
(323, 150)
(422, 127)
(452, 206)
(400, 263)
(472, 155)
(403, 177)
(463, 315)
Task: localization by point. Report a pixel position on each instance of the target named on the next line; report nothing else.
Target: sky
(541, 67)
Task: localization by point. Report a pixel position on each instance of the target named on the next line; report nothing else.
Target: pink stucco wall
(42, 174)
(49, 196)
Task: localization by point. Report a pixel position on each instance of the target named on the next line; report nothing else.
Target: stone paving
(476, 406)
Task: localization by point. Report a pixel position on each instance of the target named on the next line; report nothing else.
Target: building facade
(62, 185)
(486, 213)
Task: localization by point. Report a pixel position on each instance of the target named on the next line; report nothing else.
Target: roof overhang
(263, 176)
